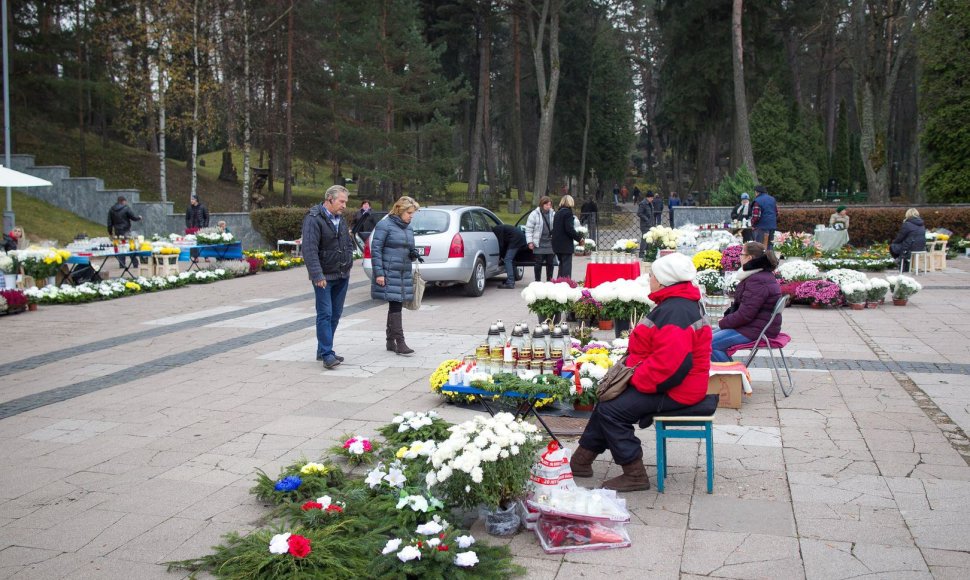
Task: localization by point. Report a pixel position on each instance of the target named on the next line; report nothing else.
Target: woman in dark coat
(754, 301)
(392, 251)
(911, 238)
(564, 234)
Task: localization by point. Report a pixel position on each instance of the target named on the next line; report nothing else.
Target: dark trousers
(330, 305)
(759, 236)
(658, 218)
(549, 260)
(509, 260)
(565, 265)
(611, 424)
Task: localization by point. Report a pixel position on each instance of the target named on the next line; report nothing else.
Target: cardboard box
(728, 387)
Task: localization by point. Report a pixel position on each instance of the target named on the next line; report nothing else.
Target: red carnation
(299, 546)
(312, 505)
(442, 548)
(334, 508)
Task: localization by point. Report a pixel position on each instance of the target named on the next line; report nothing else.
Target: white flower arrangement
(843, 276)
(664, 237)
(798, 270)
(413, 421)
(711, 280)
(214, 237)
(626, 246)
(6, 263)
(903, 286)
(855, 292)
(877, 290)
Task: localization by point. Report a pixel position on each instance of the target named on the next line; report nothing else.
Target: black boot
(389, 336)
(397, 333)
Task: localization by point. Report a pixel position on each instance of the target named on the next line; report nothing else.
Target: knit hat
(840, 208)
(745, 196)
(761, 189)
(649, 193)
(673, 268)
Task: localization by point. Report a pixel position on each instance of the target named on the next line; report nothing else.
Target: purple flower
(820, 292)
(731, 258)
(564, 280)
(289, 483)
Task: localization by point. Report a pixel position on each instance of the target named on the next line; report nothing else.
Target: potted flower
(550, 299)
(587, 308)
(876, 294)
(903, 287)
(707, 260)
(711, 280)
(820, 293)
(731, 258)
(855, 294)
(486, 461)
(15, 300)
(585, 398)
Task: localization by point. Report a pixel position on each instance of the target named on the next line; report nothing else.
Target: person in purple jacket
(754, 301)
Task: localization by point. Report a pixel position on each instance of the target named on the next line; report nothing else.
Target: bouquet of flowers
(820, 292)
(548, 299)
(903, 287)
(356, 449)
(711, 280)
(39, 263)
(298, 482)
(731, 258)
(213, 236)
(485, 461)
(707, 260)
(796, 245)
(437, 550)
(842, 276)
(877, 290)
(6, 264)
(798, 271)
(626, 246)
(855, 292)
(663, 237)
(415, 426)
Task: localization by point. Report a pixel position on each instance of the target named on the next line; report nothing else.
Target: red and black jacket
(673, 343)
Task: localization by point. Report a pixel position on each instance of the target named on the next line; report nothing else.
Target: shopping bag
(551, 470)
(419, 284)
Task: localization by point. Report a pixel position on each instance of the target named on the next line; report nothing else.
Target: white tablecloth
(830, 240)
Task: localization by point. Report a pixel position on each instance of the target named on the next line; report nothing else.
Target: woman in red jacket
(754, 302)
(671, 350)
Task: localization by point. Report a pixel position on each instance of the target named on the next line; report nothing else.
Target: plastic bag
(551, 471)
(501, 522)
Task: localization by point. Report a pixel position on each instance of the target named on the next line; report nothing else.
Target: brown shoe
(582, 462)
(634, 478)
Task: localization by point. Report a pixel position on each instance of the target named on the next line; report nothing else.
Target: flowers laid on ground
(357, 449)
(485, 461)
(731, 258)
(235, 267)
(867, 264)
(626, 246)
(272, 260)
(792, 271)
(711, 280)
(300, 481)
(707, 260)
(548, 299)
(842, 276)
(89, 291)
(903, 287)
(411, 426)
(293, 544)
(14, 300)
(820, 292)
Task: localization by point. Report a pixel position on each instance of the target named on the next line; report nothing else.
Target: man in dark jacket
(764, 217)
(911, 238)
(328, 253)
(363, 222)
(647, 219)
(510, 240)
(658, 209)
(196, 215)
(120, 217)
(589, 216)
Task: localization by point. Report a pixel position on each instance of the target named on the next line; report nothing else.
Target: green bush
(874, 225)
(278, 223)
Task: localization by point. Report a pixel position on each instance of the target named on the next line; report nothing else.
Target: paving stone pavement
(130, 431)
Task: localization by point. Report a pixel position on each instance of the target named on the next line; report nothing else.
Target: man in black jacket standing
(645, 213)
(328, 253)
(120, 217)
(196, 215)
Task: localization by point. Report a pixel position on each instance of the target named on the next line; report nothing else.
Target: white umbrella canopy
(11, 178)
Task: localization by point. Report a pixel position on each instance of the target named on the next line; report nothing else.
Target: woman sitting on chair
(754, 302)
(911, 238)
(840, 219)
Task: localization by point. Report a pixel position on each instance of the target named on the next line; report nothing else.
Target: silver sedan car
(457, 245)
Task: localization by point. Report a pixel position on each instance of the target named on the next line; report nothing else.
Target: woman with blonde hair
(564, 234)
(911, 238)
(392, 252)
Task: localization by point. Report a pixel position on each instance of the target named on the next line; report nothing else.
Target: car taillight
(367, 249)
(457, 247)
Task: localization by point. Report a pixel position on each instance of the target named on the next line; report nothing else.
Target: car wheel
(519, 273)
(476, 284)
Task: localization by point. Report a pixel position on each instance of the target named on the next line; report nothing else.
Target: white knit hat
(673, 268)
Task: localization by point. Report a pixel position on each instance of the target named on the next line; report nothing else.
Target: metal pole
(8, 215)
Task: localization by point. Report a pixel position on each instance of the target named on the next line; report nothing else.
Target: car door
(488, 221)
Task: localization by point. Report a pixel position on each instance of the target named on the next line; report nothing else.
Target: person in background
(510, 240)
(328, 253)
(911, 238)
(120, 217)
(196, 215)
(673, 202)
(754, 302)
(646, 217)
(363, 222)
(15, 240)
(538, 234)
(624, 193)
(689, 202)
(658, 208)
(616, 194)
(588, 217)
(564, 234)
(743, 212)
(636, 194)
(392, 252)
(223, 228)
(764, 217)
(840, 219)
(671, 354)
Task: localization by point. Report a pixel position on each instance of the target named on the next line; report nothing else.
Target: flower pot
(605, 324)
(583, 406)
(52, 280)
(857, 306)
(620, 326)
(900, 301)
(816, 305)
(501, 522)
(32, 307)
(872, 304)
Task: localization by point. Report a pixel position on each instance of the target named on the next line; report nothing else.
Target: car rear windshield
(429, 221)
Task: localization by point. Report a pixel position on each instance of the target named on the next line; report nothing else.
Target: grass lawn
(43, 221)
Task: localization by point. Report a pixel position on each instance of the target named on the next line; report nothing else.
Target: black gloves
(414, 255)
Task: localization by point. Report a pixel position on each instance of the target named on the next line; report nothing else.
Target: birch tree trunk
(743, 154)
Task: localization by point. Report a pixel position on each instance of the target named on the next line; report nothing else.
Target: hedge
(278, 223)
(875, 224)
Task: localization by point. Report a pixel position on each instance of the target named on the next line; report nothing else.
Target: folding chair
(770, 344)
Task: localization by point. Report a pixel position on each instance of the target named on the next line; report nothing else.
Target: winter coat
(363, 222)
(741, 212)
(328, 251)
(673, 202)
(120, 217)
(838, 218)
(672, 346)
(196, 216)
(564, 231)
(765, 214)
(9, 243)
(911, 238)
(390, 250)
(645, 213)
(658, 208)
(508, 237)
(535, 224)
(754, 301)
